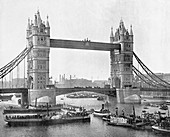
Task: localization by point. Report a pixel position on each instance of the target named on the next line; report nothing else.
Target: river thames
(95, 128)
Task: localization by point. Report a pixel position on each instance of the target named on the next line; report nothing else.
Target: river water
(95, 128)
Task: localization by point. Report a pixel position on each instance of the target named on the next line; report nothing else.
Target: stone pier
(33, 94)
(128, 95)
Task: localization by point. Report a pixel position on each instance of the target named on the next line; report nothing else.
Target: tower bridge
(120, 47)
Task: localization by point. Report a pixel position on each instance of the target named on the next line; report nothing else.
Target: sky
(92, 19)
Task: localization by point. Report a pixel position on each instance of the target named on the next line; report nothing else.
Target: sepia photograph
(84, 68)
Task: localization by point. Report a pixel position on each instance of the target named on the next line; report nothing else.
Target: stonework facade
(38, 34)
(122, 60)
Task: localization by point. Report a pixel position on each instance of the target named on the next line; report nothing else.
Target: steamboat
(48, 116)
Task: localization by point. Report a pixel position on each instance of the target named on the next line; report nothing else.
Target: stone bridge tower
(38, 33)
(122, 60)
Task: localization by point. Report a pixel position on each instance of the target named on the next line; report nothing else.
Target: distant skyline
(92, 19)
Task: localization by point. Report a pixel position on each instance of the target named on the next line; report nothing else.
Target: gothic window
(127, 57)
(41, 30)
(126, 67)
(30, 64)
(41, 81)
(42, 39)
(41, 53)
(127, 37)
(127, 47)
(41, 64)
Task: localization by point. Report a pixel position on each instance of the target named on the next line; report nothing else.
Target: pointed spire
(121, 23)
(131, 32)
(111, 34)
(28, 27)
(47, 23)
(39, 21)
(31, 23)
(35, 21)
(121, 20)
(121, 27)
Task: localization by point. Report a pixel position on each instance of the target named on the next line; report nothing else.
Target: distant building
(71, 83)
(100, 83)
(17, 83)
(14, 83)
(166, 77)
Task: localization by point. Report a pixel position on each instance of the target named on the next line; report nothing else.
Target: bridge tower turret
(38, 59)
(38, 33)
(122, 60)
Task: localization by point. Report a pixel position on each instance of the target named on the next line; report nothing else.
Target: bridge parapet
(155, 89)
(13, 90)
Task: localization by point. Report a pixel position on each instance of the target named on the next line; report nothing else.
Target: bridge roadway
(60, 91)
(106, 91)
(13, 90)
(160, 93)
(88, 45)
(155, 92)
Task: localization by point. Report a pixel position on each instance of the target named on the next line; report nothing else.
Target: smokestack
(60, 78)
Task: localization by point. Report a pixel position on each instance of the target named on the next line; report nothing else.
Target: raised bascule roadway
(121, 64)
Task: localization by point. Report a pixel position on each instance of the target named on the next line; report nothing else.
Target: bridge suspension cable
(12, 64)
(152, 76)
(145, 78)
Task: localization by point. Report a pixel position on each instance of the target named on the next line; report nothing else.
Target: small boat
(154, 105)
(164, 107)
(160, 129)
(167, 102)
(108, 117)
(102, 112)
(130, 120)
(100, 98)
(145, 107)
(163, 126)
(120, 121)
